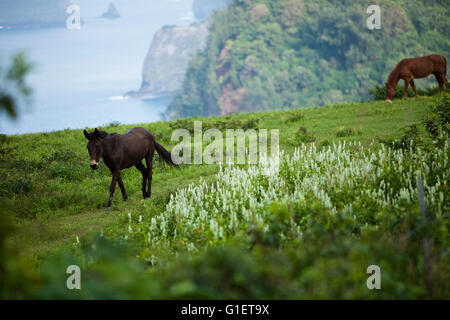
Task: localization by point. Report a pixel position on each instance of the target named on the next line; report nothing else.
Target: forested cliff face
(168, 58)
(32, 13)
(170, 51)
(276, 54)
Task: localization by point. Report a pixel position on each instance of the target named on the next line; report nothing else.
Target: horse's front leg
(122, 189)
(112, 188)
(405, 94)
(149, 162)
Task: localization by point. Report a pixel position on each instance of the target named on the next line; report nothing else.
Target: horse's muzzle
(94, 165)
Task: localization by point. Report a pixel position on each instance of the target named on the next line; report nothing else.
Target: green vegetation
(13, 86)
(337, 205)
(286, 54)
(379, 92)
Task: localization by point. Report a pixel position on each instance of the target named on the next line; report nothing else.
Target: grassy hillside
(281, 54)
(56, 204)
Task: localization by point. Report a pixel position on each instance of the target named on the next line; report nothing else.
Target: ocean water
(80, 75)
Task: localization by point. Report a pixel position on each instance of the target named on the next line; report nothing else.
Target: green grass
(56, 197)
(344, 197)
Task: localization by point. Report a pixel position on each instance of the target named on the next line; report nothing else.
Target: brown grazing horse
(416, 68)
(124, 151)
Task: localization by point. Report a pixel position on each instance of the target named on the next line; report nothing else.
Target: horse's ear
(87, 135)
(100, 134)
(96, 134)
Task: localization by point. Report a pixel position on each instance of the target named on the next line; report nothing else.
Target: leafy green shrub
(324, 143)
(231, 123)
(16, 186)
(187, 124)
(228, 123)
(4, 139)
(408, 141)
(294, 116)
(438, 120)
(379, 92)
(304, 136)
(301, 136)
(346, 132)
(113, 124)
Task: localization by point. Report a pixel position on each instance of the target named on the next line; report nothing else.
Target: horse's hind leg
(440, 80)
(149, 162)
(143, 171)
(444, 81)
(413, 86)
(122, 188)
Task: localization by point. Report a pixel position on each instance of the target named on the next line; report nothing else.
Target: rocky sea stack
(111, 13)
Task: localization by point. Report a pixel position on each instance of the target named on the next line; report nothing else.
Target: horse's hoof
(146, 197)
(109, 208)
(125, 198)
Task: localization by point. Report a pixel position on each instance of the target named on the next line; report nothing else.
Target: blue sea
(80, 76)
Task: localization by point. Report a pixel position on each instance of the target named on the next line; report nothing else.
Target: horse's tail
(164, 154)
(445, 70)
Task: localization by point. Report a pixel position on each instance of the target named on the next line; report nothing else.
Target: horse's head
(390, 92)
(94, 146)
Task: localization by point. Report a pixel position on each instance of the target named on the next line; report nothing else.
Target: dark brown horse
(416, 68)
(124, 151)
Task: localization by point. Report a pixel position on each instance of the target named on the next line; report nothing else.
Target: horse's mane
(103, 134)
(393, 75)
(99, 134)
